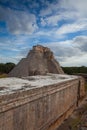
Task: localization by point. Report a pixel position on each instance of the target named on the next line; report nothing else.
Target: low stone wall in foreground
(38, 102)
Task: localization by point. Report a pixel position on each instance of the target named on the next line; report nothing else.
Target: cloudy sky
(58, 24)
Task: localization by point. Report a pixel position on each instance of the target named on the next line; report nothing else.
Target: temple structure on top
(39, 61)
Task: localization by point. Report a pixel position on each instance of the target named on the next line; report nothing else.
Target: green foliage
(6, 68)
(75, 70)
(2, 68)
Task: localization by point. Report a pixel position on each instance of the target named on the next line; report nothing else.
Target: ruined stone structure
(38, 102)
(83, 75)
(39, 61)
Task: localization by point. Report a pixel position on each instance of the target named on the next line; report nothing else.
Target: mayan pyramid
(39, 61)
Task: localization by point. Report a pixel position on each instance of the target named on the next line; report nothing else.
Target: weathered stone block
(24, 106)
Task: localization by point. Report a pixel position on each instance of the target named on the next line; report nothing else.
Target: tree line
(7, 67)
(75, 70)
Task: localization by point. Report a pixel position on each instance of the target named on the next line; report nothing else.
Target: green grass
(78, 120)
(3, 75)
(75, 123)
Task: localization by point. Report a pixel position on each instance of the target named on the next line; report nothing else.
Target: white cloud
(71, 52)
(75, 61)
(74, 10)
(18, 22)
(81, 43)
(45, 12)
(64, 49)
(73, 27)
(43, 22)
(15, 59)
(12, 49)
(78, 6)
(15, 48)
(51, 20)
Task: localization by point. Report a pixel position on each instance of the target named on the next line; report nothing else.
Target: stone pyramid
(39, 61)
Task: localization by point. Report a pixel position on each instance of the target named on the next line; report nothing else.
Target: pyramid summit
(39, 61)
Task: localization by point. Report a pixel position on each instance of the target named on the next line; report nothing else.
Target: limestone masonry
(38, 102)
(39, 61)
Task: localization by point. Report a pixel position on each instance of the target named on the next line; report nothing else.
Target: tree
(6, 68)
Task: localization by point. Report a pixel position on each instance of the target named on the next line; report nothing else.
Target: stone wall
(81, 88)
(42, 108)
(83, 75)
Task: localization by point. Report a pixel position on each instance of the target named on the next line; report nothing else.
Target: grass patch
(75, 123)
(78, 120)
(3, 75)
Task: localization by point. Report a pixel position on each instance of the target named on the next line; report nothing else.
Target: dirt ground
(78, 119)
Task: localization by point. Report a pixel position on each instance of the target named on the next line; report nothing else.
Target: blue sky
(60, 25)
